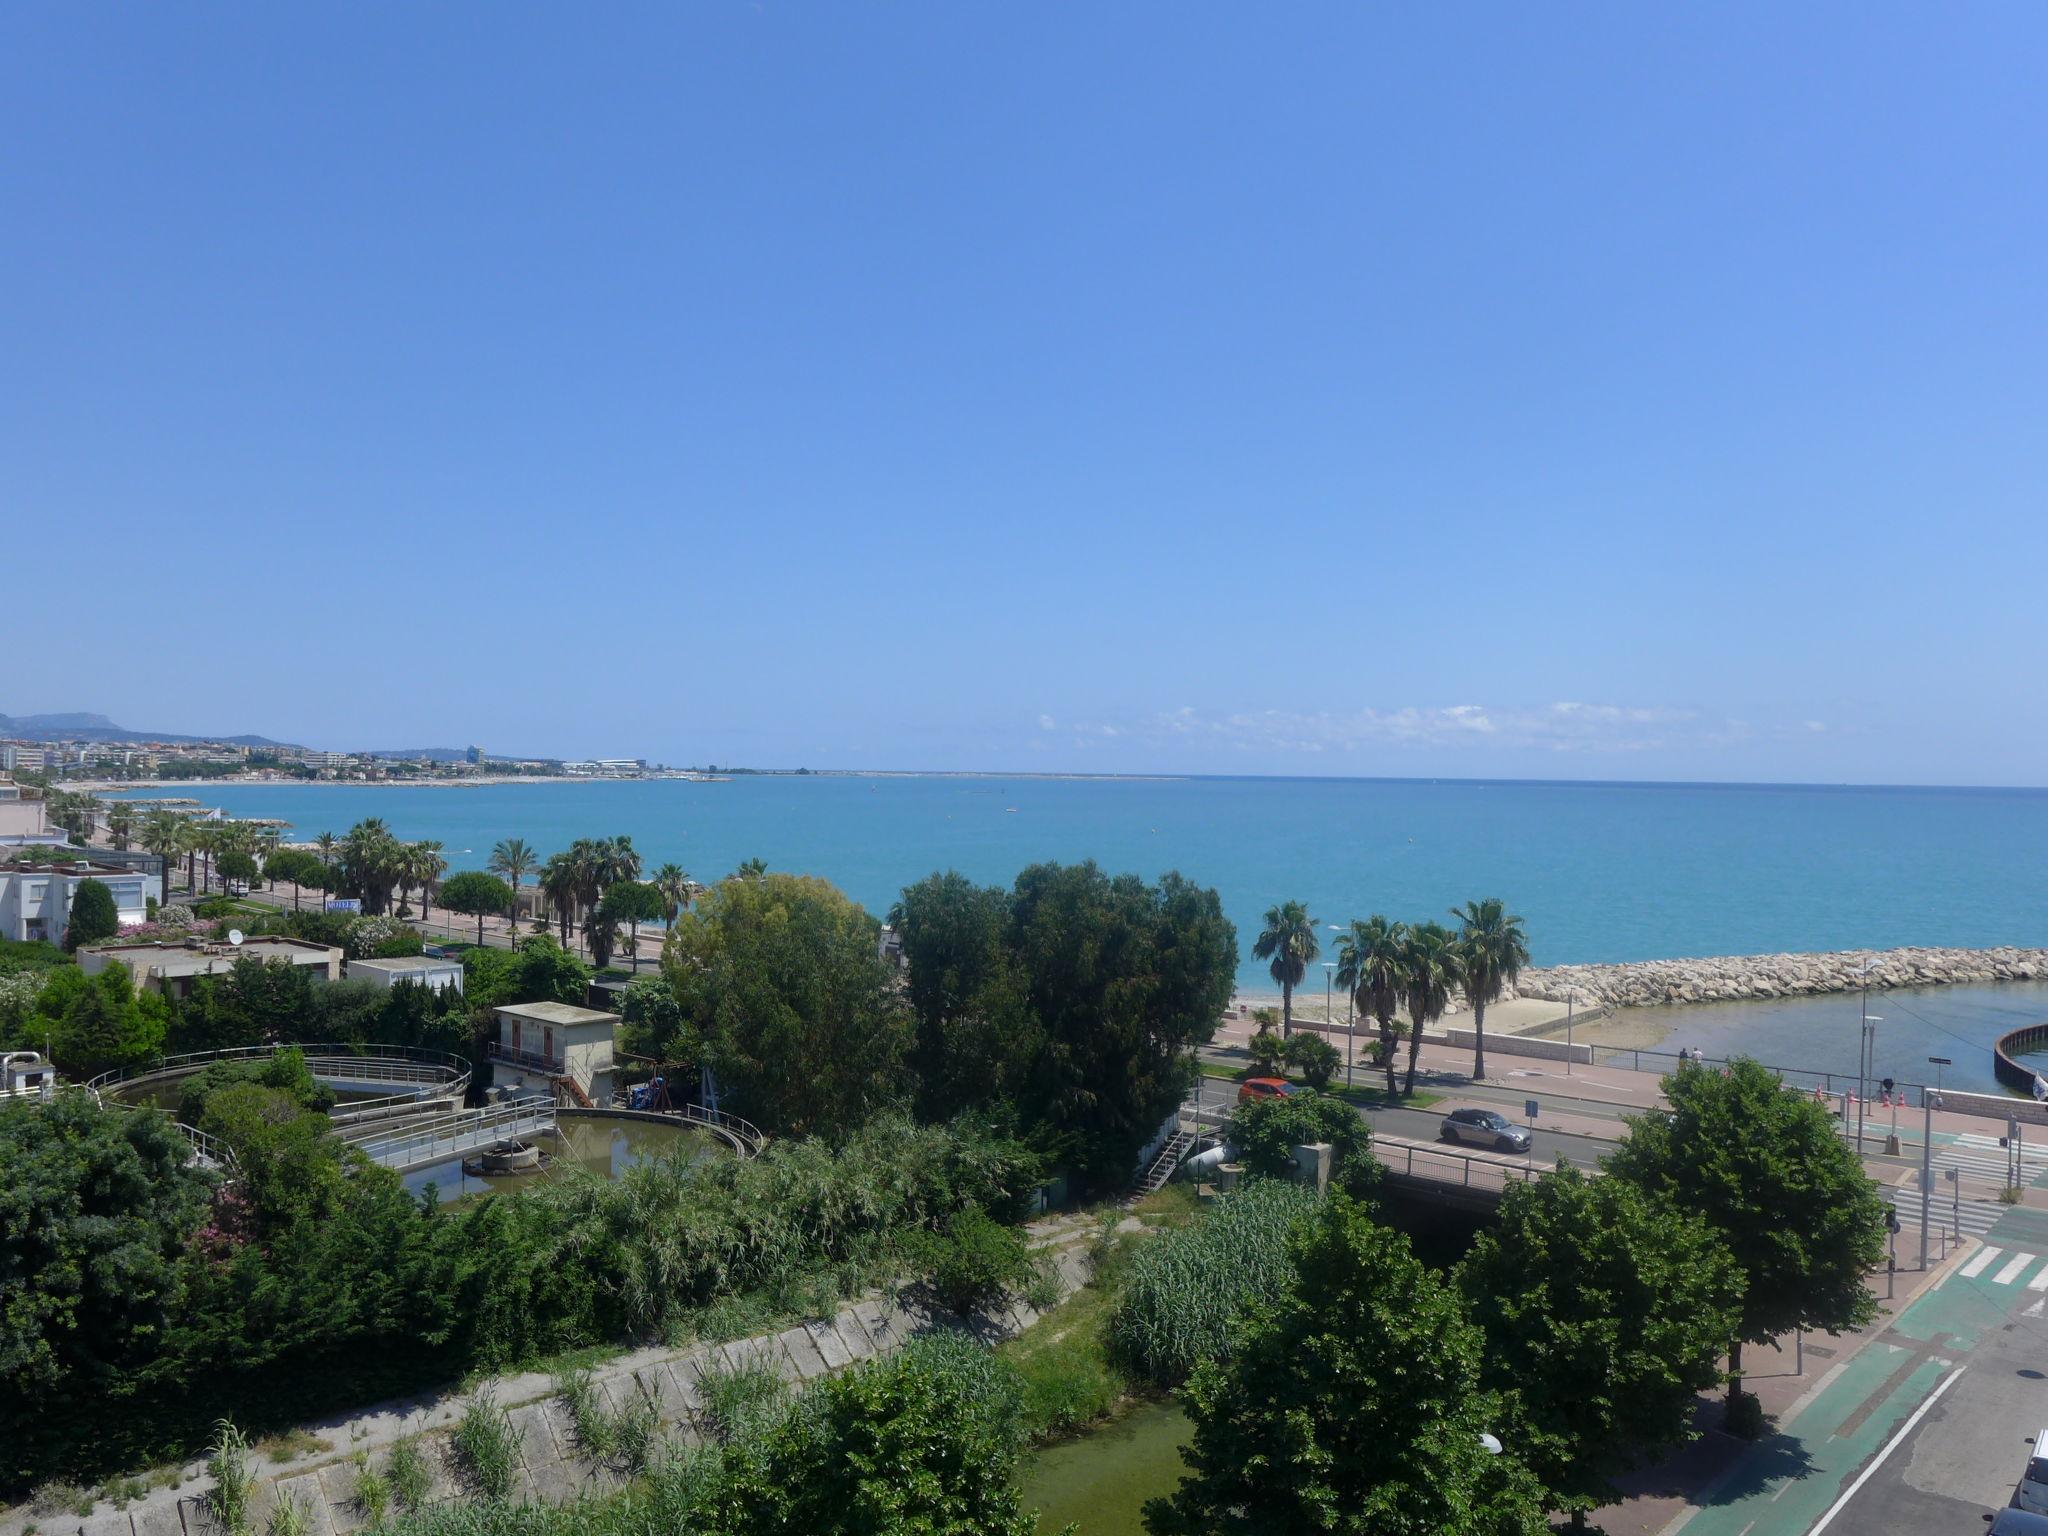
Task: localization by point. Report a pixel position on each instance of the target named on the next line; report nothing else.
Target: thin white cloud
(1567, 726)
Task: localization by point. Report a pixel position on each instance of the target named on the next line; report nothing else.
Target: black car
(1484, 1128)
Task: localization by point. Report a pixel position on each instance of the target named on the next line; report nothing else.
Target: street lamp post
(1330, 1009)
(1927, 1156)
(1865, 1054)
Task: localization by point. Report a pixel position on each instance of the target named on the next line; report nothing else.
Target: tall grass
(624, 1437)
(411, 1479)
(486, 1451)
(740, 1401)
(372, 1491)
(1184, 1290)
(289, 1516)
(228, 1500)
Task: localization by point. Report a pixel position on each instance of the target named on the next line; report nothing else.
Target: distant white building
(36, 897)
(171, 968)
(421, 970)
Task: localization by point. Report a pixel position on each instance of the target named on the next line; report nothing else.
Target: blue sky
(1590, 391)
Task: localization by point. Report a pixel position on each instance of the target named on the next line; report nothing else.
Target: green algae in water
(1100, 1480)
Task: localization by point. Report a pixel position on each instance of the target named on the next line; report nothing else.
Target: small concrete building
(36, 895)
(421, 970)
(170, 967)
(540, 1045)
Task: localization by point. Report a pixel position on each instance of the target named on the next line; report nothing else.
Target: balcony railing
(532, 1061)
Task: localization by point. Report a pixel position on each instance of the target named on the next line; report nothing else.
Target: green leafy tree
(238, 865)
(780, 977)
(631, 902)
(93, 915)
(1492, 952)
(1431, 970)
(677, 889)
(1125, 980)
(475, 894)
(652, 1024)
(100, 1023)
(924, 1443)
(1764, 1168)
(95, 1213)
(1289, 945)
(975, 1261)
(254, 1002)
(1605, 1312)
(538, 971)
(977, 1040)
(1265, 1133)
(1351, 1404)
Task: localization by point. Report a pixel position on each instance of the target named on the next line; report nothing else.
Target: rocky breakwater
(1733, 978)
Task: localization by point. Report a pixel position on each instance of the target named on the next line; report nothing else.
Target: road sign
(1529, 1108)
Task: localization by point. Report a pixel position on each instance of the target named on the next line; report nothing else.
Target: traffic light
(1891, 1221)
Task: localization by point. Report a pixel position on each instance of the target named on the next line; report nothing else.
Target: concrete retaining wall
(1992, 1106)
(552, 1465)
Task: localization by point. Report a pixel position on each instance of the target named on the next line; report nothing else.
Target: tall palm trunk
(1389, 1058)
(1286, 1009)
(1414, 1051)
(1478, 1040)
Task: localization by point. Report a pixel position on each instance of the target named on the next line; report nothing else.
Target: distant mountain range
(86, 727)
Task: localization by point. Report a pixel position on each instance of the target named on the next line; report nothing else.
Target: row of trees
(1385, 967)
(1578, 1331)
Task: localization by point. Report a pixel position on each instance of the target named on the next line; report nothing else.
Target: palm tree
(751, 869)
(1369, 969)
(560, 879)
(427, 867)
(120, 826)
(1289, 942)
(1431, 970)
(677, 890)
(325, 842)
(511, 860)
(371, 863)
(162, 836)
(1493, 951)
(188, 844)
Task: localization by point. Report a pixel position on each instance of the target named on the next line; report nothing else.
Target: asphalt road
(1955, 1464)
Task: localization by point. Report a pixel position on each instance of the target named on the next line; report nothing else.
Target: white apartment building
(36, 898)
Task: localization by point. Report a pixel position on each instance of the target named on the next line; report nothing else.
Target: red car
(1267, 1088)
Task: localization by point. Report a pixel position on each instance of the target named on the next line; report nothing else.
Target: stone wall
(1652, 983)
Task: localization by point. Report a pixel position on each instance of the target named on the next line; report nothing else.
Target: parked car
(2018, 1522)
(1484, 1128)
(1253, 1088)
(2033, 1490)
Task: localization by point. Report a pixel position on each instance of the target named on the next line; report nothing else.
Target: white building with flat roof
(171, 967)
(421, 970)
(36, 896)
(541, 1046)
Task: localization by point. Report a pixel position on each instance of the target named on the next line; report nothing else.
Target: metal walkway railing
(449, 1136)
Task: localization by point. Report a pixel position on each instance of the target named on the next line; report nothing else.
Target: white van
(2033, 1489)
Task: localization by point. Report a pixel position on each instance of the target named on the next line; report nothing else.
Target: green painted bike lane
(1788, 1480)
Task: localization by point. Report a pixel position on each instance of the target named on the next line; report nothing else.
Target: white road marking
(2037, 1308)
(1979, 1264)
(2013, 1269)
(2040, 1281)
(1891, 1445)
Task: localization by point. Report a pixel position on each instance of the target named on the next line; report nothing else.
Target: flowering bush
(171, 932)
(175, 915)
(367, 934)
(18, 995)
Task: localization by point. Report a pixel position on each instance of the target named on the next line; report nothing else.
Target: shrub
(1185, 1288)
(1268, 1052)
(1265, 1133)
(1746, 1417)
(975, 1261)
(1314, 1058)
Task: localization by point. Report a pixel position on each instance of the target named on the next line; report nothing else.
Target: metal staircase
(1169, 1157)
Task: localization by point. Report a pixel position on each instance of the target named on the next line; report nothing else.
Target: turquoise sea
(1599, 871)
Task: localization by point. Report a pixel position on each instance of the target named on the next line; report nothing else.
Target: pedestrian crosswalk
(1977, 1216)
(2003, 1266)
(1978, 1156)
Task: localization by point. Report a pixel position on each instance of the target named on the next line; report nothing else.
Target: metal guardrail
(697, 1114)
(451, 1135)
(532, 1061)
(365, 1064)
(1507, 1172)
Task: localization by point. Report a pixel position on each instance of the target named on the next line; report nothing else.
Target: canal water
(1100, 1480)
(605, 1145)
